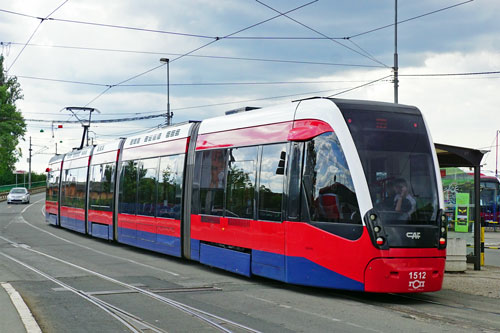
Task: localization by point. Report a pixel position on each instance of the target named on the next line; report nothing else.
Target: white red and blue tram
(304, 193)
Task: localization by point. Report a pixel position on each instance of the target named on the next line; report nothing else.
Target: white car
(18, 194)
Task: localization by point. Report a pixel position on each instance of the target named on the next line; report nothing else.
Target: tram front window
(396, 156)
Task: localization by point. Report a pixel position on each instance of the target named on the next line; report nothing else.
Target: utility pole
(396, 80)
(29, 168)
(169, 114)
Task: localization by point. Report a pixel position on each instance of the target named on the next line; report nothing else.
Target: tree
(12, 125)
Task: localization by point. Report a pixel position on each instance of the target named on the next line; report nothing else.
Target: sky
(228, 54)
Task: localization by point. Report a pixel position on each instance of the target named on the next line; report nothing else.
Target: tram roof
(355, 104)
(56, 158)
(78, 153)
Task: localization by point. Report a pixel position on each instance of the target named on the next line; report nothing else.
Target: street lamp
(169, 115)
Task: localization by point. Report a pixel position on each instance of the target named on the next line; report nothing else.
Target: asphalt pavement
(492, 238)
(15, 316)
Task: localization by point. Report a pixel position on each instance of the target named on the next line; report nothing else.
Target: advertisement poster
(462, 212)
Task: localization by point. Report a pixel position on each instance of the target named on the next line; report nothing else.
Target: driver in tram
(403, 201)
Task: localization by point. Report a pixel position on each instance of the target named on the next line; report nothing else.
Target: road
(492, 257)
(73, 283)
(492, 254)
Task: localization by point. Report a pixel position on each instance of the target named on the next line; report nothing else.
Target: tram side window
(240, 192)
(48, 190)
(212, 184)
(101, 187)
(128, 188)
(74, 182)
(69, 187)
(63, 187)
(327, 182)
(271, 182)
(170, 187)
(81, 183)
(146, 186)
(53, 186)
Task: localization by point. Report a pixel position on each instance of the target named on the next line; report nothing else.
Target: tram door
(268, 256)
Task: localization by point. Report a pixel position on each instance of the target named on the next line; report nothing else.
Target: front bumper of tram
(412, 256)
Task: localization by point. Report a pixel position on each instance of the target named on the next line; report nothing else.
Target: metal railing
(7, 188)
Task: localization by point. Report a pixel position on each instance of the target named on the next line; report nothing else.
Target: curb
(22, 309)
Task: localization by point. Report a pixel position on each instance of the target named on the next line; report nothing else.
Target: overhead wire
(61, 81)
(450, 74)
(101, 121)
(263, 98)
(33, 34)
(190, 83)
(234, 37)
(367, 54)
(371, 56)
(210, 105)
(322, 34)
(361, 86)
(197, 49)
(203, 56)
(409, 19)
(281, 96)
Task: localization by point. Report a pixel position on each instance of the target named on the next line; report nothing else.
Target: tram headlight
(376, 229)
(443, 229)
(443, 218)
(373, 217)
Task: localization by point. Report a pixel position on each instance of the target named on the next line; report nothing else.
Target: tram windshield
(396, 156)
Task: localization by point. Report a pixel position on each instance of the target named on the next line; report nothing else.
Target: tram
(321, 192)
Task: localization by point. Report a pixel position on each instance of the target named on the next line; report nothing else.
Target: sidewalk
(10, 319)
(485, 282)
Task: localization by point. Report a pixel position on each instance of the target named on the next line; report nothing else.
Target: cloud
(459, 111)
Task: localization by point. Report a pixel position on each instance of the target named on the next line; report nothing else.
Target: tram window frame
(67, 198)
(241, 198)
(126, 189)
(147, 185)
(196, 186)
(293, 196)
(276, 171)
(213, 182)
(99, 188)
(203, 175)
(147, 203)
(81, 188)
(342, 216)
(74, 188)
(63, 187)
(170, 206)
(52, 193)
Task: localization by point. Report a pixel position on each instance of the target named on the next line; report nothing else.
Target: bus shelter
(460, 157)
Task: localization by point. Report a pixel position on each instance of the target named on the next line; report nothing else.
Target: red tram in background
(303, 193)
